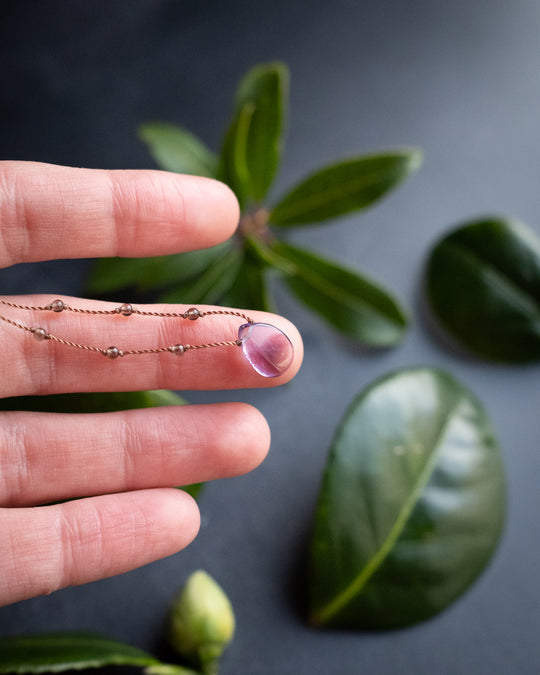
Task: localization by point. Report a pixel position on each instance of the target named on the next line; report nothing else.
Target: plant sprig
(236, 273)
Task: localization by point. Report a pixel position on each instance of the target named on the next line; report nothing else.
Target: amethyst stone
(267, 348)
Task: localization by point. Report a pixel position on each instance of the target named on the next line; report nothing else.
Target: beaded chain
(126, 309)
(268, 350)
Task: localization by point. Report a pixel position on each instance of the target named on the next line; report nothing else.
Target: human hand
(130, 460)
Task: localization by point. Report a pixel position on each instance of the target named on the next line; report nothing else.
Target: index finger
(49, 212)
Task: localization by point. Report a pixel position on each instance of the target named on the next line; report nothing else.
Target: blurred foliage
(236, 273)
(482, 283)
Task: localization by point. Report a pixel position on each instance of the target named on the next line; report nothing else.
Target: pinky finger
(47, 548)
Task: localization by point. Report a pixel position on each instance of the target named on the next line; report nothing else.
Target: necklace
(268, 350)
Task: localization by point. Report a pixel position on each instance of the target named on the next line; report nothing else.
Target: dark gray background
(459, 79)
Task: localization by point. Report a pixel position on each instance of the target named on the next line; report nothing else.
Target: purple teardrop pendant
(267, 348)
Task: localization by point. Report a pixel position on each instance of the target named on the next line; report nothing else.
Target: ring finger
(47, 457)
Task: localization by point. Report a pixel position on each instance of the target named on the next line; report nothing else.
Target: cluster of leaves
(236, 273)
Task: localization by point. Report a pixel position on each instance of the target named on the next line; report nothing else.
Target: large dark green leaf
(265, 88)
(210, 285)
(57, 652)
(113, 274)
(178, 150)
(344, 187)
(353, 304)
(483, 284)
(411, 505)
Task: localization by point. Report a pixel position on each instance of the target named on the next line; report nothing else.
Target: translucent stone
(267, 348)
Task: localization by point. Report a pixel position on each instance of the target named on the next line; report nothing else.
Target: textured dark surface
(459, 80)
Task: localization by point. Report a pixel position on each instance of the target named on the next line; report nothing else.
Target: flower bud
(202, 622)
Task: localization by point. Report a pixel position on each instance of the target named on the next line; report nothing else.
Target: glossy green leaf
(351, 303)
(113, 274)
(483, 284)
(233, 168)
(344, 187)
(411, 505)
(57, 652)
(265, 88)
(210, 285)
(178, 150)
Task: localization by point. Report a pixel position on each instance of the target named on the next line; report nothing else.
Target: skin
(132, 460)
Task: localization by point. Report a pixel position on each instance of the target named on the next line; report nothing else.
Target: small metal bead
(57, 306)
(177, 349)
(193, 314)
(126, 309)
(40, 334)
(112, 352)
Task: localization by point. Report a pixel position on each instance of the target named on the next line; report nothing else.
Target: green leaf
(210, 285)
(113, 274)
(92, 402)
(233, 168)
(411, 505)
(353, 304)
(250, 289)
(178, 150)
(483, 284)
(194, 489)
(252, 146)
(57, 652)
(344, 187)
(265, 88)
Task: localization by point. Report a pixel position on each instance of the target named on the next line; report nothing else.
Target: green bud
(202, 622)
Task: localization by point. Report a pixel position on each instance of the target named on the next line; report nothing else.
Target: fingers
(42, 453)
(47, 367)
(47, 548)
(49, 211)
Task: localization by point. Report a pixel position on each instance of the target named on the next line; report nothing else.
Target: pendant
(267, 348)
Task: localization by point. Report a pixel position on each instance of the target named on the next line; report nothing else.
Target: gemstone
(268, 349)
